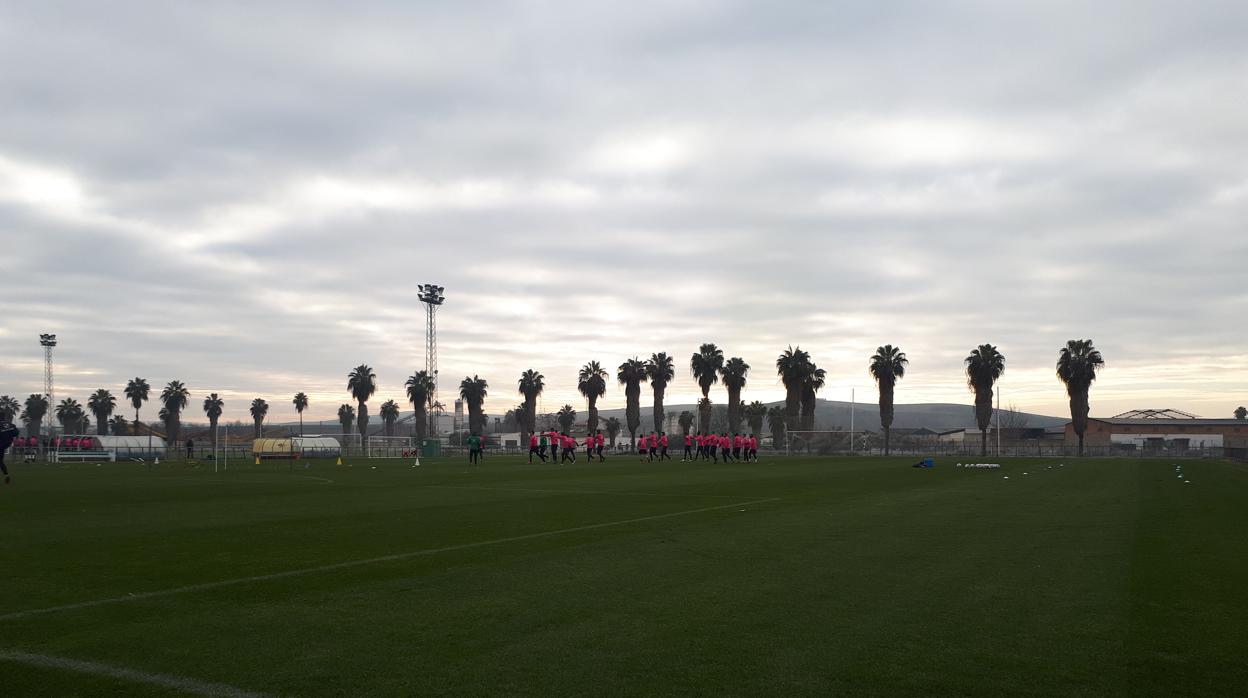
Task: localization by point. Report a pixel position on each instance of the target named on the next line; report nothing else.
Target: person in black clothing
(190, 449)
(8, 432)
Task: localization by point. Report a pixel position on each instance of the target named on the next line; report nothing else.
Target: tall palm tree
(474, 391)
(887, 366)
(984, 365)
(530, 385)
(389, 412)
(815, 379)
(362, 383)
(419, 390)
(137, 391)
(118, 425)
(163, 415)
(705, 365)
(755, 413)
(69, 413)
(685, 420)
(259, 408)
(35, 410)
(174, 397)
(612, 427)
(213, 405)
(733, 374)
(592, 383)
(777, 422)
(1241, 413)
(631, 374)
(567, 417)
(9, 408)
(793, 367)
(101, 404)
(300, 402)
(346, 416)
(1077, 365)
(660, 369)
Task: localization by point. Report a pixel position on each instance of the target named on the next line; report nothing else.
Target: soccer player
(599, 442)
(688, 448)
(753, 448)
(737, 443)
(474, 448)
(533, 449)
(725, 446)
(642, 449)
(541, 447)
(554, 446)
(569, 447)
(663, 446)
(8, 432)
(589, 448)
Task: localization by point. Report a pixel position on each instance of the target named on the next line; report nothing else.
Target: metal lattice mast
(432, 296)
(47, 341)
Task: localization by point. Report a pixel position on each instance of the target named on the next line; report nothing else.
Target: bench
(60, 456)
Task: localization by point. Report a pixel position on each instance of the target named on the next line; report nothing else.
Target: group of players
(650, 447)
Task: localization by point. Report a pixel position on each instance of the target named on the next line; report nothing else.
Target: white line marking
(369, 561)
(177, 683)
(619, 492)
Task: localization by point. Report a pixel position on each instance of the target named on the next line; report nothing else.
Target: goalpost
(388, 446)
(818, 441)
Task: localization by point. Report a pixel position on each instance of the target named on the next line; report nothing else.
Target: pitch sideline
(177, 683)
(206, 586)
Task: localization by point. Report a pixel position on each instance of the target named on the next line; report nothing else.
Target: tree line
(1077, 366)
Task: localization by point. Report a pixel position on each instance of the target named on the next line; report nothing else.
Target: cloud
(244, 197)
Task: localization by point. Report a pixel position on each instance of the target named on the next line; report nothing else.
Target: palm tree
(9, 408)
(213, 404)
(473, 391)
(346, 416)
(69, 413)
(419, 390)
(1241, 412)
(755, 413)
(362, 383)
(612, 427)
(777, 422)
(174, 397)
(888, 364)
(592, 383)
(685, 420)
(35, 410)
(137, 391)
(984, 366)
(259, 408)
(705, 365)
(301, 403)
(530, 385)
(117, 424)
(163, 415)
(389, 415)
(734, 374)
(631, 374)
(101, 404)
(660, 370)
(1077, 365)
(815, 379)
(567, 417)
(793, 367)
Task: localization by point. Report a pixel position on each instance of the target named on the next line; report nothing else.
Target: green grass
(857, 576)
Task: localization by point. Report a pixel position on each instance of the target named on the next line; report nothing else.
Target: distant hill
(830, 414)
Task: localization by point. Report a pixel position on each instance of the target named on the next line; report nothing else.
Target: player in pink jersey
(589, 448)
(663, 446)
(533, 449)
(643, 451)
(599, 443)
(737, 442)
(688, 449)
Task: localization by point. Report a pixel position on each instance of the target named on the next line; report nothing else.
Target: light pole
(432, 296)
(48, 341)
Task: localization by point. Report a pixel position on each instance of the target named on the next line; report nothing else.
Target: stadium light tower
(432, 296)
(47, 341)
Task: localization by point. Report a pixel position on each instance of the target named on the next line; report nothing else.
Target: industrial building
(1159, 430)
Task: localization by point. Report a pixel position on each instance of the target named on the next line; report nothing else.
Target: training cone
(257, 460)
(417, 459)
(339, 460)
(157, 460)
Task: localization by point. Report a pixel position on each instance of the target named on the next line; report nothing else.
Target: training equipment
(388, 446)
(821, 442)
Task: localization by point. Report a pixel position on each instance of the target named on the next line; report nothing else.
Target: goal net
(818, 442)
(388, 446)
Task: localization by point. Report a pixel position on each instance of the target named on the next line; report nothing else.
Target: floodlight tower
(47, 341)
(432, 296)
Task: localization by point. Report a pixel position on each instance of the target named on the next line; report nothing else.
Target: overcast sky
(244, 198)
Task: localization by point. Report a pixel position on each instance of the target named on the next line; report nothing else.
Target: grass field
(799, 576)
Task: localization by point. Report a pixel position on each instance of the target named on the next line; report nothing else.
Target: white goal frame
(808, 436)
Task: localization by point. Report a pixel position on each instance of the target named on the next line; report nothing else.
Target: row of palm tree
(1077, 367)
